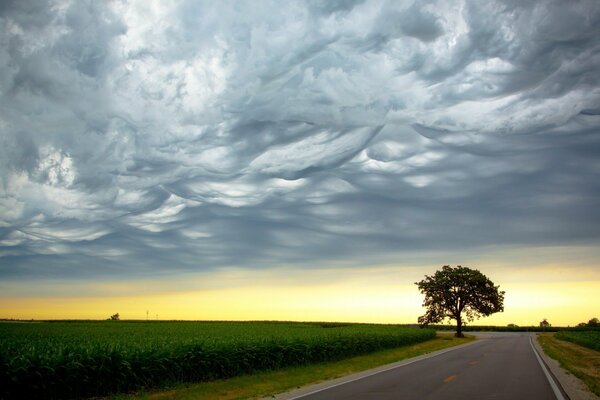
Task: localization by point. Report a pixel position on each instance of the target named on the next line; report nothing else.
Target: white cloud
(321, 150)
(247, 133)
(55, 168)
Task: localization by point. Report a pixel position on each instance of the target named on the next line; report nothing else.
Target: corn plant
(87, 359)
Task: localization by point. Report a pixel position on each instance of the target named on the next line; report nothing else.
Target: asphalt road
(498, 366)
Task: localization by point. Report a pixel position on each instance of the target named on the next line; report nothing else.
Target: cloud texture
(156, 137)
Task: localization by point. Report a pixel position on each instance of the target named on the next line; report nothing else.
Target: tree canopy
(456, 291)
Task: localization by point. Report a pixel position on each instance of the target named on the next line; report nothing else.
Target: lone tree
(455, 291)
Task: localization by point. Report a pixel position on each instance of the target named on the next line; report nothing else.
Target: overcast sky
(143, 138)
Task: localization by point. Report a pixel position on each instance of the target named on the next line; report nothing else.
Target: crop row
(55, 363)
(590, 339)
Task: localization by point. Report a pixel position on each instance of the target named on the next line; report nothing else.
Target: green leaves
(588, 338)
(74, 360)
(453, 291)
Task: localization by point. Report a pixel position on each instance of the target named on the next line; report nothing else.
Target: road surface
(499, 366)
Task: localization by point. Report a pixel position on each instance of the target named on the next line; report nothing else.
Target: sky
(298, 160)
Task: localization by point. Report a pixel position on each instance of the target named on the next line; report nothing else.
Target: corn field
(87, 359)
(588, 338)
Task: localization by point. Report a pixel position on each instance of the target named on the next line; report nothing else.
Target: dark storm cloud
(143, 140)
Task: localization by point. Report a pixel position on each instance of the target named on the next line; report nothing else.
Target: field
(589, 339)
(85, 359)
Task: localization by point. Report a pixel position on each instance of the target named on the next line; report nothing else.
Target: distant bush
(594, 323)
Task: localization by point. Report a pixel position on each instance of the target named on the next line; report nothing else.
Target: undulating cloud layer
(156, 137)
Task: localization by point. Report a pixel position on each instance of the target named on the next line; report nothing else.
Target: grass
(590, 339)
(581, 361)
(86, 359)
(266, 384)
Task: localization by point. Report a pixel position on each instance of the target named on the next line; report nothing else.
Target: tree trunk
(459, 326)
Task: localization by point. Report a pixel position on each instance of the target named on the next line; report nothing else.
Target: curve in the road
(499, 366)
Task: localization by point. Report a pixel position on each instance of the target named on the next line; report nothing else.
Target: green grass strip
(265, 384)
(582, 362)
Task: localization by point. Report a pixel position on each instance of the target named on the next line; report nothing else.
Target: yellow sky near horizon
(379, 295)
(562, 304)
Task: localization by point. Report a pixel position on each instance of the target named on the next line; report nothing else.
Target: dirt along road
(497, 366)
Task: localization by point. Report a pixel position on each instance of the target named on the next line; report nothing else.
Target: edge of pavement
(317, 387)
(573, 386)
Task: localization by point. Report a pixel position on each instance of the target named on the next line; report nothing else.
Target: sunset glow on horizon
(385, 304)
(368, 295)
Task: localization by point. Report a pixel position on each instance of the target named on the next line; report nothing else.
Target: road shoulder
(573, 386)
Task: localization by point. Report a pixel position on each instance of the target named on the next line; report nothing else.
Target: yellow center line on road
(449, 379)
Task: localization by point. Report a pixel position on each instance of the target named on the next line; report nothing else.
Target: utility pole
(147, 311)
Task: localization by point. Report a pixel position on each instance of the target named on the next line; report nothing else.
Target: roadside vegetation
(590, 339)
(583, 362)
(85, 359)
(267, 384)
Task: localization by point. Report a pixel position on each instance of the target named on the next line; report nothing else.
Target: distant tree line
(544, 326)
(493, 328)
(592, 323)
